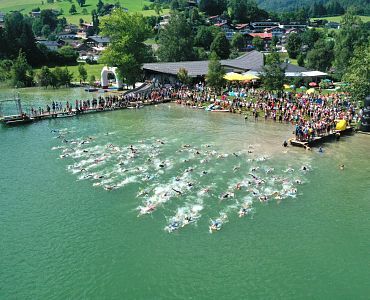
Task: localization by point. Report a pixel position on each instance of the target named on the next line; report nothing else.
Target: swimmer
(321, 150)
(178, 192)
(341, 167)
(285, 144)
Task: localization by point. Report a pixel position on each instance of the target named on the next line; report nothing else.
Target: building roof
(249, 61)
(262, 35)
(99, 39)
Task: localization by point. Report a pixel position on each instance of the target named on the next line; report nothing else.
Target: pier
(307, 144)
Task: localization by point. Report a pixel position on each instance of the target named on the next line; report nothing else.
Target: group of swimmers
(189, 175)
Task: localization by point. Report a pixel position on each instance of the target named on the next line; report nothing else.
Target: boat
(17, 119)
(67, 115)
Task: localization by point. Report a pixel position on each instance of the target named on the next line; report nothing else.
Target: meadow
(339, 18)
(25, 6)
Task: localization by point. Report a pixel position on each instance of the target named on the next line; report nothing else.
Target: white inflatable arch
(104, 77)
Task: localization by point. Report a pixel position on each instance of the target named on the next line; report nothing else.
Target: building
(51, 45)
(251, 62)
(332, 25)
(167, 72)
(261, 26)
(98, 41)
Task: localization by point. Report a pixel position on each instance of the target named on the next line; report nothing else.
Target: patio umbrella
(292, 86)
(326, 80)
(310, 91)
(312, 84)
(303, 87)
(250, 77)
(234, 77)
(286, 86)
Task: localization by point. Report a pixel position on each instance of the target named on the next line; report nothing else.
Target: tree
(352, 34)
(238, 41)
(273, 74)
(20, 72)
(204, 37)
(258, 43)
(72, 10)
(300, 60)
(176, 40)
(245, 11)
(45, 31)
(321, 56)
(221, 46)
(81, 2)
(68, 55)
(358, 73)
(82, 73)
(157, 7)
(213, 7)
(294, 45)
(99, 6)
(92, 80)
(127, 50)
(215, 76)
(183, 76)
(48, 17)
(44, 77)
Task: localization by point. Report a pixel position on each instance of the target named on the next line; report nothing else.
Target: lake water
(63, 237)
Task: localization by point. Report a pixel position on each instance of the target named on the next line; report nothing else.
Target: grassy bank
(339, 18)
(91, 70)
(25, 6)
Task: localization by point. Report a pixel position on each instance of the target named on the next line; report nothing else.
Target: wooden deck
(336, 134)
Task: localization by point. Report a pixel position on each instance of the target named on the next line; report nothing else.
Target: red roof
(262, 35)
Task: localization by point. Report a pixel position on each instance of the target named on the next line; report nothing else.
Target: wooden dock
(336, 134)
(26, 119)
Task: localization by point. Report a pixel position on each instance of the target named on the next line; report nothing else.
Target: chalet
(67, 36)
(276, 31)
(98, 41)
(35, 14)
(261, 26)
(266, 36)
(51, 45)
(2, 16)
(332, 25)
(294, 25)
(228, 29)
(215, 20)
(243, 28)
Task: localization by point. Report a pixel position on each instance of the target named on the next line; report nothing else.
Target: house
(51, 45)
(243, 28)
(228, 29)
(98, 41)
(67, 36)
(261, 26)
(266, 36)
(332, 25)
(276, 31)
(35, 14)
(215, 20)
(2, 16)
(294, 25)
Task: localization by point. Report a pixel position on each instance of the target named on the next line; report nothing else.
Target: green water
(61, 238)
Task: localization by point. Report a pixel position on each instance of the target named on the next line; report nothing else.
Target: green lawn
(339, 18)
(91, 70)
(25, 6)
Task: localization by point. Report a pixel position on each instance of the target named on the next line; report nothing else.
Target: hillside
(27, 5)
(363, 6)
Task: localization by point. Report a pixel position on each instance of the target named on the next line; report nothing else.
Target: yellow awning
(250, 77)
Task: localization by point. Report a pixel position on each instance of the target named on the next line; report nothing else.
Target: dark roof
(292, 68)
(99, 39)
(249, 61)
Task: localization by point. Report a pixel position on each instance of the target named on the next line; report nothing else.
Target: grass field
(339, 18)
(91, 70)
(25, 6)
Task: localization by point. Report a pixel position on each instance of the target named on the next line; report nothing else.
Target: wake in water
(199, 177)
